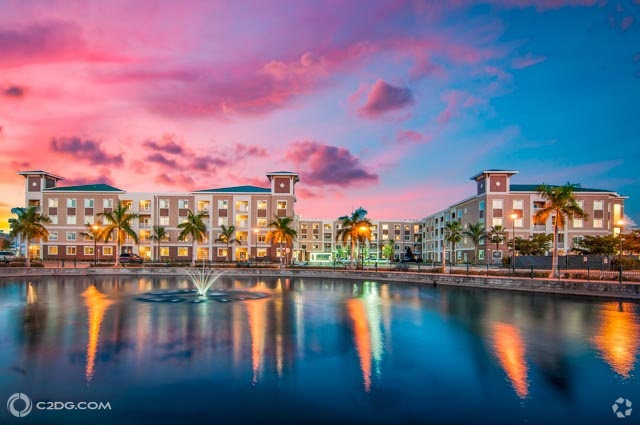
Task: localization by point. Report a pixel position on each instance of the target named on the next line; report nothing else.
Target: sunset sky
(389, 105)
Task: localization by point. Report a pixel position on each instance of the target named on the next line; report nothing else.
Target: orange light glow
(509, 347)
(358, 315)
(257, 312)
(31, 294)
(617, 338)
(97, 304)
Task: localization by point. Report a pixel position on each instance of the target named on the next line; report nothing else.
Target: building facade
(250, 209)
(74, 209)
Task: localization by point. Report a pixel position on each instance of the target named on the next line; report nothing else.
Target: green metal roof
(85, 188)
(237, 189)
(534, 188)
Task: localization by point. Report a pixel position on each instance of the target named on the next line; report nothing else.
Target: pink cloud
(89, 150)
(322, 164)
(411, 137)
(456, 101)
(384, 98)
(526, 61)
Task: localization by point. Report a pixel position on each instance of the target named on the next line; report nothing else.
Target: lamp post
(361, 230)
(513, 247)
(95, 228)
(620, 223)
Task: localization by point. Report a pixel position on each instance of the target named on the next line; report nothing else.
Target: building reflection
(617, 337)
(97, 304)
(256, 312)
(510, 350)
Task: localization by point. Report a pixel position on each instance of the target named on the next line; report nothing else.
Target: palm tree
(93, 233)
(227, 237)
(476, 233)
(29, 225)
(118, 221)
(159, 234)
(281, 232)
(561, 205)
(195, 227)
(453, 235)
(355, 227)
(497, 235)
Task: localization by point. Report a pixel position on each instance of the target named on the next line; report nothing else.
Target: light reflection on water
(357, 352)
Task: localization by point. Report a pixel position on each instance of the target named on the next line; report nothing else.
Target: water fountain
(202, 279)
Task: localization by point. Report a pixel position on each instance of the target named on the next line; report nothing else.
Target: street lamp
(514, 216)
(361, 230)
(95, 228)
(620, 223)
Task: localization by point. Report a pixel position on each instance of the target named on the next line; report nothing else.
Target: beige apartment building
(494, 203)
(73, 209)
(251, 208)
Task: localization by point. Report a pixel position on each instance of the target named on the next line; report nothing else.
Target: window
(88, 203)
(163, 220)
(223, 221)
(88, 250)
(385, 227)
(480, 206)
(164, 251)
(261, 205)
(497, 221)
(481, 254)
(71, 236)
(163, 203)
(518, 204)
(597, 223)
(71, 203)
(183, 252)
(89, 219)
(282, 205)
(107, 251)
(598, 205)
(497, 204)
(183, 204)
(71, 219)
(54, 219)
(222, 252)
(71, 250)
(53, 236)
(577, 223)
(223, 204)
(53, 203)
(107, 203)
(262, 252)
(52, 250)
(261, 222)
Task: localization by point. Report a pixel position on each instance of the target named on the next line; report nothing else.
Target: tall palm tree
(195, 227)
(226, 236)
(453, 235)
(497, 234)
(355, 227)
(29, 225)
(118, 221)
(281, 232)
(561, 205)
(476, 233)
(159, 234)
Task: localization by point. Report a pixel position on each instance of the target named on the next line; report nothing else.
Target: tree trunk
(228, 252)
(281, 256)
(117, 252)
(27, 243)
(193, 254)
(555, 273)
(444, 257)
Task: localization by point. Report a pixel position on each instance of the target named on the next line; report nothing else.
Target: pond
(327, 351)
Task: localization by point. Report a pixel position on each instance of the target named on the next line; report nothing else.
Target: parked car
(7, 256)
(128, 258)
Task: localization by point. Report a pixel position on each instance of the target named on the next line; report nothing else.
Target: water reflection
(256, 312)
(97, 304)
(509, 347)
(616, 337)
(31, 294)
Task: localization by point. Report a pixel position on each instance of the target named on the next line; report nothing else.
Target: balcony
(539, 227)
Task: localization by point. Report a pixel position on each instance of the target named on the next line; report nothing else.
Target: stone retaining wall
(571, 287)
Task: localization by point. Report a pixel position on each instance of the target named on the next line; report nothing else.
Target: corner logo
(19, 413)
(619, 408)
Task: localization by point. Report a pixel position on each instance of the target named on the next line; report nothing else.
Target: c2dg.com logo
(12, 408)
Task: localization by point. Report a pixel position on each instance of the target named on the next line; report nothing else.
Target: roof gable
(101, 187)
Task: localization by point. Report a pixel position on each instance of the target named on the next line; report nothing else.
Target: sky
(389, 105)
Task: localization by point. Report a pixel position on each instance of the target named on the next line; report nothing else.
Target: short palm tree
(560, 204)
(453, 234)
(281, 232)
(194, 227)
(476, 233)
(29, 225)
(93, 233)
(497, 234)
(226, 236)
(159, 234)
(355, 227)
(118, 221)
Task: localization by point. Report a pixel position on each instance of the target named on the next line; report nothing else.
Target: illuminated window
(107, 251)
(53, 203)
(145, 205)
(222, 252)
(88, 250)
(282, 205)
(52, 250)
(183, 252)
(261, 222)
(71, 250)
(262, 252)
(164, 251)
(261, 205)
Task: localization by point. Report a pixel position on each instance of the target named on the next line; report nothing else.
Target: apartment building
(73, 209)
(496, 200)
(318, 239)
